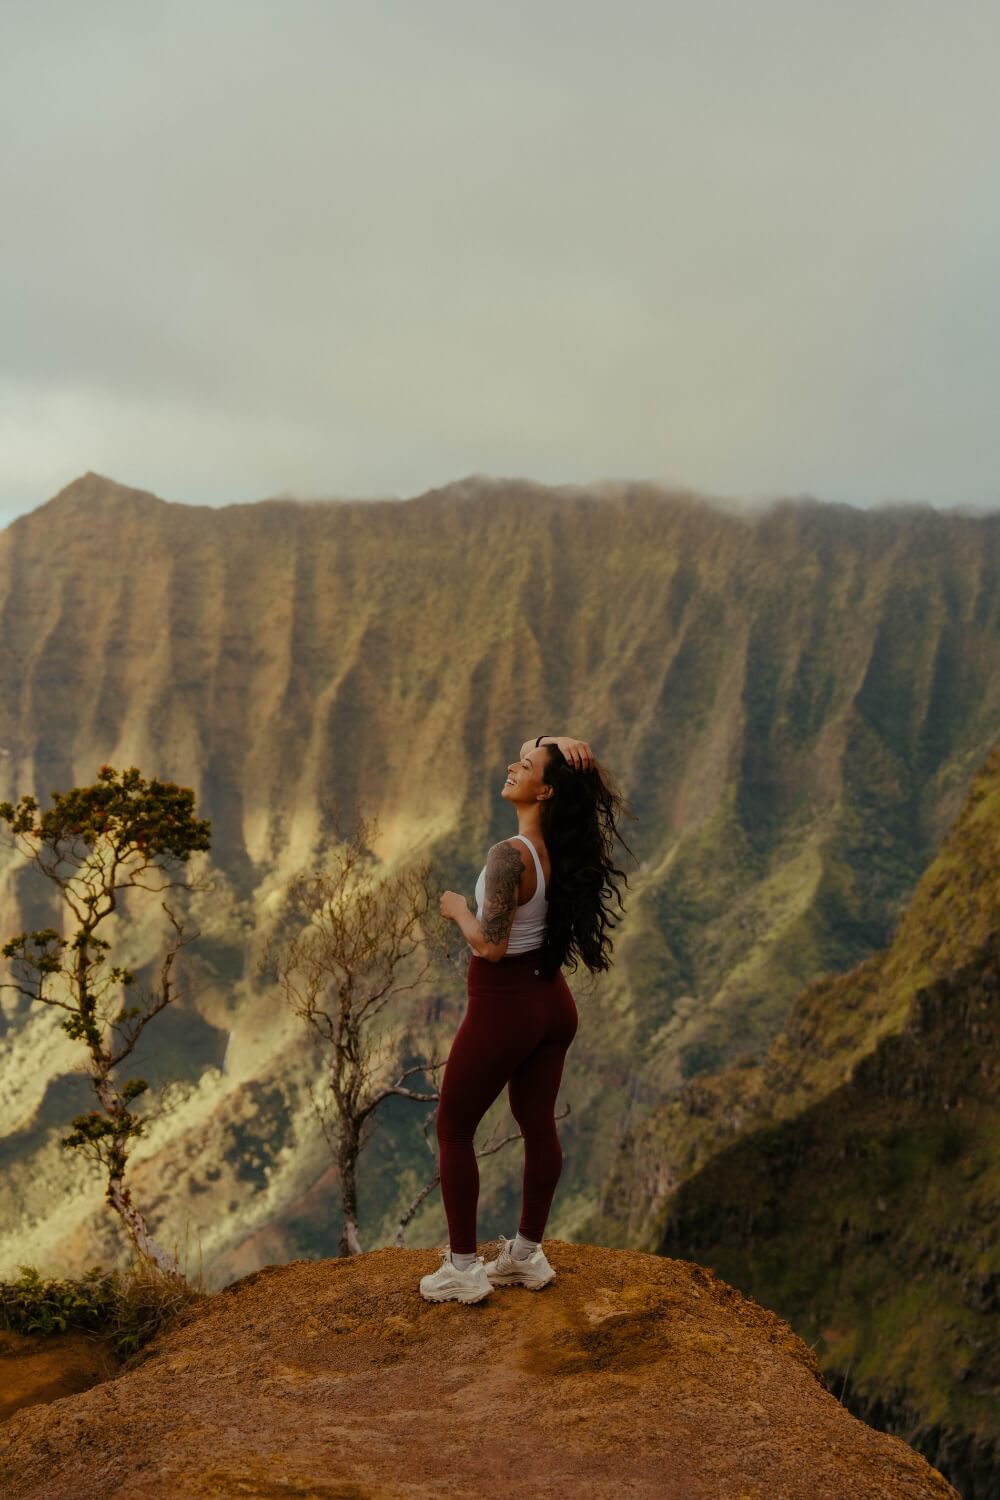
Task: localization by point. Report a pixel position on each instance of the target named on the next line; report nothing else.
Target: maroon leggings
(516, 1030)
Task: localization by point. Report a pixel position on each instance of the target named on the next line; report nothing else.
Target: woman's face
(524, 777)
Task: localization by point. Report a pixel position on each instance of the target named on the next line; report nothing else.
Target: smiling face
(524, 777)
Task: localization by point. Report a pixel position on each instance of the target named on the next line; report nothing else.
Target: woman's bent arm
(489, 937)
(470, 929)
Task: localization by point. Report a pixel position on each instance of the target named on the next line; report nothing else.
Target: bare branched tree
(93, 842)
(349, 940)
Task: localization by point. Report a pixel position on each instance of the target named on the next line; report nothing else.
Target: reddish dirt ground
(630, 1374)
(43, 1369)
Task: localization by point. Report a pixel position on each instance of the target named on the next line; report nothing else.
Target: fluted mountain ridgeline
(794, 703)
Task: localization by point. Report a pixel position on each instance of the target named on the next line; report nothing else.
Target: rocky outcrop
(630, 1374)
(971, 1460)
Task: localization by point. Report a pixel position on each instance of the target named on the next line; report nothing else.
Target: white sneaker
(505, 1270)
(449, 1284)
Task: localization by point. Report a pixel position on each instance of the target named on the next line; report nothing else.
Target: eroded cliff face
(628, 1374)
(793, 703)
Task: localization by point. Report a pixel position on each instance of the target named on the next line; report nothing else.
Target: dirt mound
(630, 1374)
(43, 1369)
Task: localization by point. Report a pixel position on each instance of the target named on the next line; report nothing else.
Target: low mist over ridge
(477, 486)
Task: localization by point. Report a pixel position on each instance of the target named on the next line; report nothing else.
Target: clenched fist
(451, 904)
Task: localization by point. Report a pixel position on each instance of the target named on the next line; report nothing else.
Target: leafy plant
(127, 1307)
(93, 842)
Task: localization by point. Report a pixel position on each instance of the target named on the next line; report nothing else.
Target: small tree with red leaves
(92, 842)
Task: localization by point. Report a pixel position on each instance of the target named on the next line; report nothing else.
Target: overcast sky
(748, 246)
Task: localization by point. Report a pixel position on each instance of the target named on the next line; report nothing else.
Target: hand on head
(577, 753)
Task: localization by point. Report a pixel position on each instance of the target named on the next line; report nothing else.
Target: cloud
(332, 248)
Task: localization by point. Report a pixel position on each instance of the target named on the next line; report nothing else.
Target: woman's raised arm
(577, 752)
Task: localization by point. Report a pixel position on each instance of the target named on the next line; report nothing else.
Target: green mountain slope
(860, 1197)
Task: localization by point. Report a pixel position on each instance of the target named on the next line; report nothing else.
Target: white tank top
(528, 928)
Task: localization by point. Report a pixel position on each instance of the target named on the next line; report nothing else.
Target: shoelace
(519, 1259)
(504, 1243)
(445, 1252)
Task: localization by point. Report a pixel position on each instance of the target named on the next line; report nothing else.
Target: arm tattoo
(503, 877)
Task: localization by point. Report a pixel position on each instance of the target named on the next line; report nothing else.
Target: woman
(539, 906)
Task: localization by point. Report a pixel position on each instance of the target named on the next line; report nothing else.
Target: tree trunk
(350, 1243)
(120, 1198)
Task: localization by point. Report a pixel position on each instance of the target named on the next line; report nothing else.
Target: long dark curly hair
(579, 826)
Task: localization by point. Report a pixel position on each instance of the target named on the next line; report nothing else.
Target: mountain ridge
(94, 486)
(794, 708)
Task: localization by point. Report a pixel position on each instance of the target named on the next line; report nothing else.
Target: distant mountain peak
(96, 493)
(93, 483)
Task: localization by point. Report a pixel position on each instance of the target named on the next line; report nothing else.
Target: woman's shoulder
(514, 844)
(504, 852)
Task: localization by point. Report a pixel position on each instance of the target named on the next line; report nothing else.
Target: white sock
(463, 1262)
(522, 1248)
